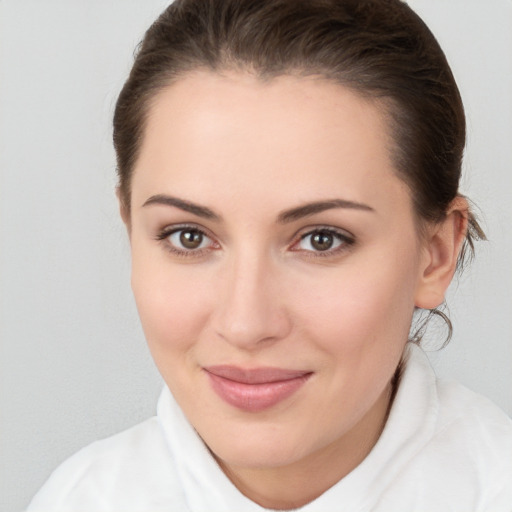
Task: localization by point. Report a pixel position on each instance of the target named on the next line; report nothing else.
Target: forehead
(207, 133)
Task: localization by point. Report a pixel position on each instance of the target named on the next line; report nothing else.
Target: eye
(189, 239)
(186, 240)
(323, 240)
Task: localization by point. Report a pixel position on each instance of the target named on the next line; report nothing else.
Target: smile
(256, 389)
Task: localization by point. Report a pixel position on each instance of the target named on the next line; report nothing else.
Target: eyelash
(346, 241)
(164, 235)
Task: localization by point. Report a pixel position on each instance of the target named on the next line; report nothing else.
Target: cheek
(358, 309)
(173, 305)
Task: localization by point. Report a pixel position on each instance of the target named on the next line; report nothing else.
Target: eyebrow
(318, 207)
(187, 206)
(284, 217)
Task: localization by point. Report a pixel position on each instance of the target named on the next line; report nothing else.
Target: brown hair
(379, 48)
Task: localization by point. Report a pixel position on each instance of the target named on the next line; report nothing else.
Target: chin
(258, 457)
(257, 448)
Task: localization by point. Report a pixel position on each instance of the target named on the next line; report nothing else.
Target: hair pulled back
(379, 48)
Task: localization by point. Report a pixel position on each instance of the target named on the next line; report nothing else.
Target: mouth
(256, 389)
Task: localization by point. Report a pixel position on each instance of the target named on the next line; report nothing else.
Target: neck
(294, 485)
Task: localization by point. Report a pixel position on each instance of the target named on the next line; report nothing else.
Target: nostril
(252, 326)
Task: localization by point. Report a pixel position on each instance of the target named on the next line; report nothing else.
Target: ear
(123, 208)
(442, 246)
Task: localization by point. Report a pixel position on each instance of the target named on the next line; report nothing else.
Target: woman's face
(276, 263)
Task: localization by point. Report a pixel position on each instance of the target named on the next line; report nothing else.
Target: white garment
(444, 448)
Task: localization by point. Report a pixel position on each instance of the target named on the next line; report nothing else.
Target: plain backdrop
(73, 361)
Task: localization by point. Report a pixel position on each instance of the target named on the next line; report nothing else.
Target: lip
(255, 389)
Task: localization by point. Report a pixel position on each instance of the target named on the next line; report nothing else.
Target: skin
(257, 292)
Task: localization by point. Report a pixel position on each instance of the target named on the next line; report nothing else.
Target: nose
(251, 311)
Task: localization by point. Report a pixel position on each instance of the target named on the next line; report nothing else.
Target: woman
(288, 177)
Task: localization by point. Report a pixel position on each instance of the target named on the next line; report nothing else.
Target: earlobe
(441, 251)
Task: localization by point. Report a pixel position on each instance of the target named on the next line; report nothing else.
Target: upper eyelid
(173, 228)
(343, 233)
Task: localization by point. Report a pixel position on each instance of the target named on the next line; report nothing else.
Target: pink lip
(255, 389)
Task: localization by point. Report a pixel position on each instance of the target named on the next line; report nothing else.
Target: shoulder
(470, 447)
(457, 412)
(452, 448)
(469, 420)
(106, 475)
(473, 440)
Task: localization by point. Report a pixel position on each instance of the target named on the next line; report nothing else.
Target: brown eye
(322, 241)
(191, 239)
(187, 241)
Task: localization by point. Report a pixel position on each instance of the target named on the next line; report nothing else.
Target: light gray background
(74, 366)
